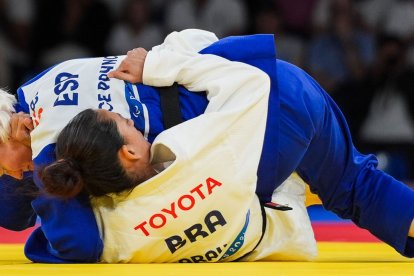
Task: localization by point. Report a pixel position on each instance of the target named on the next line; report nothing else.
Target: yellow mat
(334, 259)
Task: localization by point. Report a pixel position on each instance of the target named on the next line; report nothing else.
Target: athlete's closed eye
(129, 122)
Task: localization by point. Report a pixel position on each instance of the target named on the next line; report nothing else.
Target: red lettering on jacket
(184, 203)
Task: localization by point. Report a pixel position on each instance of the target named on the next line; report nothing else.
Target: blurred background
(360, 51)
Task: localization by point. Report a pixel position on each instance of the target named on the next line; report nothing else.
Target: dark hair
(87, 159)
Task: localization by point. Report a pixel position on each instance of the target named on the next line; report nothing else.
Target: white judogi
(203, 207)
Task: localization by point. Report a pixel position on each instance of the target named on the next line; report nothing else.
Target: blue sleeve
(16, 212)
(68, 231)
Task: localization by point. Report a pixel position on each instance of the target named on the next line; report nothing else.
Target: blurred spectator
(381, 110)
(297, 15)
(15, 41)
(321, 16)
(224, 18)
(135, 29)
(400, 19)
(116, 8)
(344, 52)
(390, 85)
(5, 47)
(374, 12)
(75, 28)
(21, 17)
(5, 68)
(290, 47)
(400, 22)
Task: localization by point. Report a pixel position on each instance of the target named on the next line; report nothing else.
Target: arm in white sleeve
(221, 78)
(190, 40)
(237, 109)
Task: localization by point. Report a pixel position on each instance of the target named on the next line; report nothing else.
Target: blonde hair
(7, 102)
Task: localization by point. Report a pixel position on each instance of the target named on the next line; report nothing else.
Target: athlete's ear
(126, 154)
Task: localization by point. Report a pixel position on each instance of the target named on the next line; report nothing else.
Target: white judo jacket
(203, 207)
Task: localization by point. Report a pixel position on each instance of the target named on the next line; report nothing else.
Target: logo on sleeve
(36, 112)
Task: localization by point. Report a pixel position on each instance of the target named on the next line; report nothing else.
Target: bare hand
(132, 67)
(20, 127)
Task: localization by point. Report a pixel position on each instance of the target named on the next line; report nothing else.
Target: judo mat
(335, 258)
(344, 249)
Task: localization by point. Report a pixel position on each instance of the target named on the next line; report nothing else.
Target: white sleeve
(190, 40)
(226, 82)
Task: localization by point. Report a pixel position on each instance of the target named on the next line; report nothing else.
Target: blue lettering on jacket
(65, 88)
(104, 95)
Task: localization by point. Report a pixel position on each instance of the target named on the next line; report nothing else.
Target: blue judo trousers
(305, 132)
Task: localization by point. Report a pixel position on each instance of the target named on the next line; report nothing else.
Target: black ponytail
(62, 178)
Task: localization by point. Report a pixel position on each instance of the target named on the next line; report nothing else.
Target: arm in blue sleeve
(16, 212)
(68, 231)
